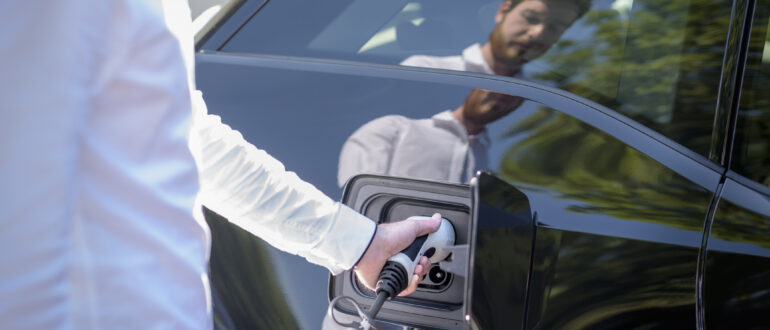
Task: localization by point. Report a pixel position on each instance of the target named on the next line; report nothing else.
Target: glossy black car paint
(624, 213)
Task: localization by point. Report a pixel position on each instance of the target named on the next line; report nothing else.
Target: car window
(752, 145)
(655, 61)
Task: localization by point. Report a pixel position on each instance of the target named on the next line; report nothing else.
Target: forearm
(254, 191)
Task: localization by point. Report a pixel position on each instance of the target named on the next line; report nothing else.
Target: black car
(629, 189)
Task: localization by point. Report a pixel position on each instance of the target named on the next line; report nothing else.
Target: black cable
(393, 279)
(366, 319)
(381, 297)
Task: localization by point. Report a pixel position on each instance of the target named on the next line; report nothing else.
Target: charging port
(437, 280)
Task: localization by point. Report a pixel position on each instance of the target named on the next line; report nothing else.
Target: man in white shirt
(99, 228)
(453, 144)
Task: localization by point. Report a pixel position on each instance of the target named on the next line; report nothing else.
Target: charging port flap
(457, 263)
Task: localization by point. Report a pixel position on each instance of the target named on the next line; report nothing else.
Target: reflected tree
(657, 63)
(608, 283)
(580, 163)
(752, 145)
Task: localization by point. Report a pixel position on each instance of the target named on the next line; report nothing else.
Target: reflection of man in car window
(452, 145)
(448, 147)
(524, 30)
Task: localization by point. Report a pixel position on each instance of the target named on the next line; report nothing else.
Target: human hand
(389, 240)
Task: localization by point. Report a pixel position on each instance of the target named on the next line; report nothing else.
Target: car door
(612, 144)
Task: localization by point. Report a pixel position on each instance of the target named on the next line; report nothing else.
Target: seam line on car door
(528, 284)
(700, 273)
(726, 155)
(726, 159)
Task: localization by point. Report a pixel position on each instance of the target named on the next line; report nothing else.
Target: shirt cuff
(347, 239)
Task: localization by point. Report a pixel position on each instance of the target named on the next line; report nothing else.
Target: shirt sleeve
(370, 149)
(254, 190)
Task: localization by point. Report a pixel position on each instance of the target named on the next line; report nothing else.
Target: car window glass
(655, 61)
(752, 145)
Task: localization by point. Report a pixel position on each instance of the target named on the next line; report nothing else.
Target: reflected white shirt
(471, 60)
(437, 149)
(99, 181)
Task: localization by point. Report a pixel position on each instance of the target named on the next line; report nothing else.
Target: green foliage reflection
(752, 145)
(658, 63)
(580, 163)
(608, 283)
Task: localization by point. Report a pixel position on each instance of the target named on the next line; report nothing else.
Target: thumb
(426, 226)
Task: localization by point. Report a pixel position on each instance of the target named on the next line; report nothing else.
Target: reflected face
(527, 30)
(482, 107)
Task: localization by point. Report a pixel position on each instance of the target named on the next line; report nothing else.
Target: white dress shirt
(437, 149)
(99, 181)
